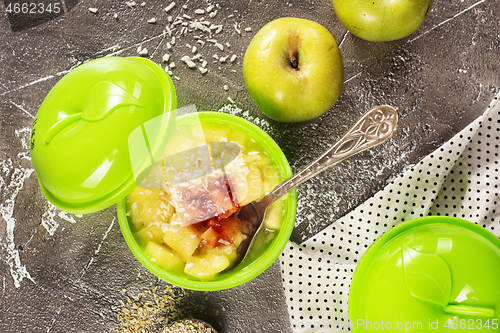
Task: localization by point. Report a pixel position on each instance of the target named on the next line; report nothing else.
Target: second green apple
(293, 70)
(382, 20)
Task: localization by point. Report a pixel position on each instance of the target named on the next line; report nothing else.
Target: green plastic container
(432, 274)
(248, 269)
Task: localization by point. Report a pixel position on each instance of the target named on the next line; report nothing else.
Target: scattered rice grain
(169, 7)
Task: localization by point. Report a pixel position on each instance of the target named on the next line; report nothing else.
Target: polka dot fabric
(459, 179)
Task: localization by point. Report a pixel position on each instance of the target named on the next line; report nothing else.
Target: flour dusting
(11, 183)
(13, 175)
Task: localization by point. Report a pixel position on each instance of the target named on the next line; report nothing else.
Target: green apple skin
(293, 70)
(382, 20)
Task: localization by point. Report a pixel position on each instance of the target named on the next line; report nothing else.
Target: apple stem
(294, 62)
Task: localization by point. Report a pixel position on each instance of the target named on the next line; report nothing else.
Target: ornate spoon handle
(376, 126)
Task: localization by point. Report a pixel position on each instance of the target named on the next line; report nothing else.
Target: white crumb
(169, 7)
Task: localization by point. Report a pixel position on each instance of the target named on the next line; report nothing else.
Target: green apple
(382, 20)
(293, 70)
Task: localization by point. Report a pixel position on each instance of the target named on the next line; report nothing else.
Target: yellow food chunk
(149, 234)
(272, 176)
(255, 184)
(205, 268)
(164, 257)
(239, 137)
(252, 156)
(146, 207)
(236, 172)
(264, 161)
(180, 141)
(274, 215)
(183, 240)
(216, 132)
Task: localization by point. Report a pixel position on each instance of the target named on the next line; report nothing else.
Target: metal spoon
(375, 127)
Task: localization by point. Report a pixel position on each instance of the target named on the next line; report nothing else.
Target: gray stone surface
(59, 276)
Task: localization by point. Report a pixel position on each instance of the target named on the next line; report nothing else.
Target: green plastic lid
(87, 126)
(432, 274)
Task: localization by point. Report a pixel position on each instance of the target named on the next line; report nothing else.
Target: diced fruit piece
(236, 173)
(149, 234)
(211, 237)
(216, 132)
(274, 215)
(240, 137)
(264, 162)
(230, 231)
(183, 240)
(205, 268)
(180, 141)
(222, 232)
(229, 252)
(147, 206)
(255, 185)
(227, 152)
(164, 257)
(251, 156)
(272, 177)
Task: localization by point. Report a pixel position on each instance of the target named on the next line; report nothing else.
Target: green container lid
(81, 136)
(432, 274)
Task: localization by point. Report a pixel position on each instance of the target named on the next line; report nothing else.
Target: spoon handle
(376, 126)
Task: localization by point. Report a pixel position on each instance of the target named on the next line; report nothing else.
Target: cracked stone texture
(59, 276)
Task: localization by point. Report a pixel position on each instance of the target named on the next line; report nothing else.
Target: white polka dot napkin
(459, 179)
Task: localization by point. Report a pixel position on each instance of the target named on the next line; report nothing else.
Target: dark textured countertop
(65, 273)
